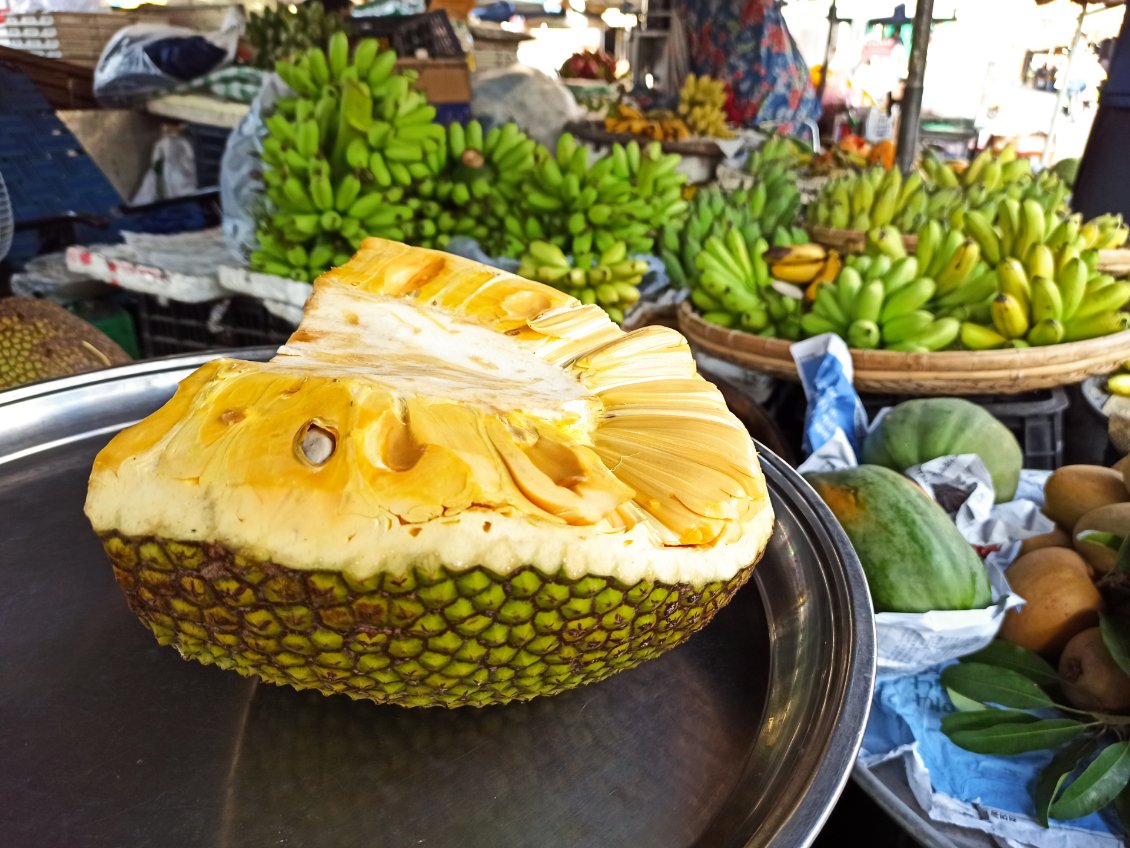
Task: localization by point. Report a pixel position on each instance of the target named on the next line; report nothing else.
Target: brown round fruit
(1122, 464)
(1074, 490)
(1057, 538)
(1112, 518)
(1060, 600)
(1092, 679)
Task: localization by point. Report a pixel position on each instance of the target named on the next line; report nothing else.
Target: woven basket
(851, 241)
(987, 372)
(1115, 262)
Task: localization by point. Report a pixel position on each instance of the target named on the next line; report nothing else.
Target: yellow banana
(1009, 318)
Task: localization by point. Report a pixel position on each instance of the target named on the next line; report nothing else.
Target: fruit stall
(403, 442)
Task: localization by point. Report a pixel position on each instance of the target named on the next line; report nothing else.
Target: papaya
(913, 556)
(919, 430)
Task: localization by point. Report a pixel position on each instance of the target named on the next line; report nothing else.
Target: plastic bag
(537, 103)
(144, 59)
(241, 182)
(171, 172)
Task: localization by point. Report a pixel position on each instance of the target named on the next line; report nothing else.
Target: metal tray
(744, 736)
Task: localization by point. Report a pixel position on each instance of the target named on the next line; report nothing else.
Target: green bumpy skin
(439, 638)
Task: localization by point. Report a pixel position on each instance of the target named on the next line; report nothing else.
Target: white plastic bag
(171, 172)
(126, 75)
(538, 104)
(241, 181)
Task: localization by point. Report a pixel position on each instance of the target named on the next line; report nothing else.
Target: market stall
(587, 458)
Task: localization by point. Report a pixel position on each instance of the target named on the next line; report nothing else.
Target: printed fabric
(747, 44)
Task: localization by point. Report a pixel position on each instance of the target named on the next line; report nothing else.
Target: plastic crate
(406, 34)
(171, 327)
(1035, 418)
(208, 144)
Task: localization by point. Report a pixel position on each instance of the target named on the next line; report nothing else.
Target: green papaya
(913, 556)
(917, 431)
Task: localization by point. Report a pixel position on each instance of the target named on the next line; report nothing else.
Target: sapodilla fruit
(451, 486)
(1060, 600)
(1074, 490)
(1092, 680)
(1055, 538)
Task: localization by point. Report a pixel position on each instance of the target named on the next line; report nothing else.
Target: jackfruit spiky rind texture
(39, 340)
(421, 638)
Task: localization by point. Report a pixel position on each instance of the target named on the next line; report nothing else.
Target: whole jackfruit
(40, 340)
(451, 486)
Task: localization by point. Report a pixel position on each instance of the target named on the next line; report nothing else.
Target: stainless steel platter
(744, 736)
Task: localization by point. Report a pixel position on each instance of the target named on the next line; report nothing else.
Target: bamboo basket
(986, 372)
(1115, 262)
(851, 241)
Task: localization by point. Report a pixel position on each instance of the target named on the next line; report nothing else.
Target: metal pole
(828, 45)
(911, 111)
(1061, 95)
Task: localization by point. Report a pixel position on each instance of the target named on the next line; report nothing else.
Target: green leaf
(1008, 739)
(1116, 637)
(1056, 773)
(992, 684)
(960, 702)
(1122, 808)
(979, 719)
(1122, 564)
(1007, 655)
(1097, 786)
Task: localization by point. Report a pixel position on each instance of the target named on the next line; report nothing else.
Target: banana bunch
(585, 207)
(1106, 232)
(1041, 304)
(733, 288)
(712, 212)
(658, 126)
(1024, 227)
(701, 102)
(988, 181)
(774, 168)
(610, 279)
(285, 31)
(339, 155)
(777, 150)
(803, 263)
(883, 299)
(877, 197)
(478, 181)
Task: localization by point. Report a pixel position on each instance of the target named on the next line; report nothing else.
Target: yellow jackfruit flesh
(451, 486)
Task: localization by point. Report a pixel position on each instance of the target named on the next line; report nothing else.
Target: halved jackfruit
(451, 486)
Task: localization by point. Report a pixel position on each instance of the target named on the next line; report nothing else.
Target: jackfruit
(451, 486)
(40, 340)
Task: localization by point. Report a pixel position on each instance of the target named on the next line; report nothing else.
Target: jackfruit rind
(432, 417)
(420, 638)
(39, 340)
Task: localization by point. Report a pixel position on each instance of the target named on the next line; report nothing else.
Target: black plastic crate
(406, 34)
(170, 327)
(1035, 418)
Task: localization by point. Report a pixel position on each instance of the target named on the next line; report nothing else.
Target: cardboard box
(441, 80)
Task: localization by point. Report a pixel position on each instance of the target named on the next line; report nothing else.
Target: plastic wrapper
(241, 183)
(537, 103)
(127, 72)
(171, 172)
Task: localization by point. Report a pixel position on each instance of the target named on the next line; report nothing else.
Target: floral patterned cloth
(747, 44)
